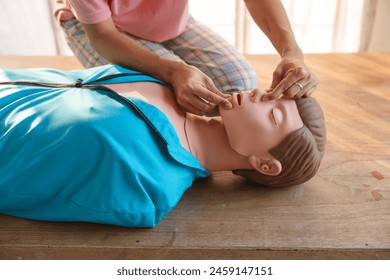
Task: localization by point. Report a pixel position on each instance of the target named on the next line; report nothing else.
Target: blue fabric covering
(79, 154)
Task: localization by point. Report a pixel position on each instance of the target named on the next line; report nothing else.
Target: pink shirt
(153, 20)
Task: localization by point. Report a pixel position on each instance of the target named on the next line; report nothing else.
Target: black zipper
(90, 85)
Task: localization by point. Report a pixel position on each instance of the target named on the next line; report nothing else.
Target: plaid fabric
(198, 45)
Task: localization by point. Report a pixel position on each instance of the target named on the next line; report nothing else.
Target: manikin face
(254, 126)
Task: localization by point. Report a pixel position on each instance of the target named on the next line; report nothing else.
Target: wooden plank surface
(343, 213)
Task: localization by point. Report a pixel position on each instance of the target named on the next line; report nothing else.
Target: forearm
(191, 86)
(271, 18)
(121, 49)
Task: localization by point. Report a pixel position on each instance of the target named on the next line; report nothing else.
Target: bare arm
(271, 18)
(188, 82)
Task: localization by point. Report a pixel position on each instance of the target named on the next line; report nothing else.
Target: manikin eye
(277, 116)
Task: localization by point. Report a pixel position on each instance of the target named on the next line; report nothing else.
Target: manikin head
(283, 139)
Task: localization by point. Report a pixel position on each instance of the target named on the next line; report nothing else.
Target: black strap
(79, 84)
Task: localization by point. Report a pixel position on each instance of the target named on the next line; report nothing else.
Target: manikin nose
(258, 95)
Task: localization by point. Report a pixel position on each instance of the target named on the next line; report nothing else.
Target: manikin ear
(270, 167)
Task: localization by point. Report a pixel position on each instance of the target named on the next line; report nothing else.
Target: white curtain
(375, 23)
(27, 27)
(319, 26)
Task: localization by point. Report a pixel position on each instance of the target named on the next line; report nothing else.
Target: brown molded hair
(300, 153)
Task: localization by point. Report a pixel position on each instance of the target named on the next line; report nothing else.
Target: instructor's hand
(195, 92)
(292, 78)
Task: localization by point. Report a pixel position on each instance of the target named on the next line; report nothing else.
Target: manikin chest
(159, 96)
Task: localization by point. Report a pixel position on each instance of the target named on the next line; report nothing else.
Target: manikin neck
(209, 143)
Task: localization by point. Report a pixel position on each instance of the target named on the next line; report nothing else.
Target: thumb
(219, 98)
(276, 79)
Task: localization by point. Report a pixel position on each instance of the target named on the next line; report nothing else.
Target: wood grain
(343, 213)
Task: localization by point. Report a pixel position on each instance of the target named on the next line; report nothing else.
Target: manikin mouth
(239, 99)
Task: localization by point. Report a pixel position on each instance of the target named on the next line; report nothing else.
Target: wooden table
(343, 213)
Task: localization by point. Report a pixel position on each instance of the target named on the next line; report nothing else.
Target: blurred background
(27, 27)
